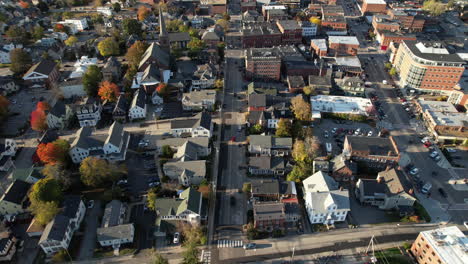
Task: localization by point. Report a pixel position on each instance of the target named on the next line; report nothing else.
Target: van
(426, 188)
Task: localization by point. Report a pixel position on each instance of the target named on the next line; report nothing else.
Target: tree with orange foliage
(163, 90)
(143, 13)
(109, 91)
(23, 4)
(38, 120)
(54, 152)
(43, 106)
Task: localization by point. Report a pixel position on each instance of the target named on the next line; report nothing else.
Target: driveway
(139, 171)
(91, 222)
(144, 226)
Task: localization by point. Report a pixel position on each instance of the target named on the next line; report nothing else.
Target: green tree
(71, 41)
(388, 65)
(135, 53)
(151, 198)
(116, 7)
(190, 255)
(158, 259)
(392, 71)
(38, 32)
(20, 61)
(195, 46)
(450, 4)
(46, 190)
(132, 27)
(299, 152)
(284, 128)
(223, 23)
(434, 7)
(108, 47)
(221, 47)
(219, 84)
(91, 80)
(300, 108)
(247, 187)
(67, 15)
(174, 25)
(44, 212)
(58, 173)
(167, 152)
(309, 91)
(298, 173)
(96, 172)
(16, 34)
(256, 129)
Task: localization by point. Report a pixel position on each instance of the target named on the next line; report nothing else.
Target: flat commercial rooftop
(339, 104)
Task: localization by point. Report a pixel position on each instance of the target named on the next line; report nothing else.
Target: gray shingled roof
(43, 67)
(112, 213)
(55, 229)
(268, 210)
(71, 205)
(115, 232)
(155, 51)
(139, 99)
(115, 134)
(59, 109)
(16, 192)
(374, 145)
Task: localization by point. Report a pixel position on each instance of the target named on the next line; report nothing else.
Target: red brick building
(262, 63)
(334, 23)
(343, 45)
(319, 46)
(381, 22)
(332, 10)
(386, 37)
(215, 6)
(374, 6)
(260, 35)
(375, 151)
(428, 66)
(247, 5)
(407, 21)
(269, 216)
(291, 32)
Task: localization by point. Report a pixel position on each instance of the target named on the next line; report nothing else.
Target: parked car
(334, 130)
(176, 239)
(442, 192)
(434, 154)
(90, 204)
(451, 150)
(414, 171)
(325, 134)
(370, 134)
(426, 188)
(250, 246)
(437, 158)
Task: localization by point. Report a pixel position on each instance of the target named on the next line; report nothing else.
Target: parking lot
(21, 105)
(142, 173)
(334, 132)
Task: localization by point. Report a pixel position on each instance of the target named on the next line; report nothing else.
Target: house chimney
(411, 191)
(380, 179)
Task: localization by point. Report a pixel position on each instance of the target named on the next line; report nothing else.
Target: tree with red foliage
(163, 90)
(60, 28)
(143, 12)
(109, 91)
(38, 120)
(54, 152)
(23, 4)
(43, 106)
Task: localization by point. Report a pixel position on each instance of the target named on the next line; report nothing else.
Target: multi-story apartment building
(343, 45)
(334, 25)
(291, 31)
(260, 35)
(375, 151)
(89, 112)
(262, 63)
(111, 147)
(325, 202)
(427, 66)
(374, 6)
(308, 29)
(319, 46)
(445, 245)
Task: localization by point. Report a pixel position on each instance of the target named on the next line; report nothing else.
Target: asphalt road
(405, 131)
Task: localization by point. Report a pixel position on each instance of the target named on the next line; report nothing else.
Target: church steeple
(163, 36)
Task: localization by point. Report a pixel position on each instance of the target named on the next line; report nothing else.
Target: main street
(405, 131)
(231, 204)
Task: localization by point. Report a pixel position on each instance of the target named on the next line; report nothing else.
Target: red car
(233, 139)
(427, 144)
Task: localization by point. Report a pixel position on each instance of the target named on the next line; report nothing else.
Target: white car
(176, 238)
(370, 134)
(334, 130)
(414, 171)
(451, 150)
(434, 154)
